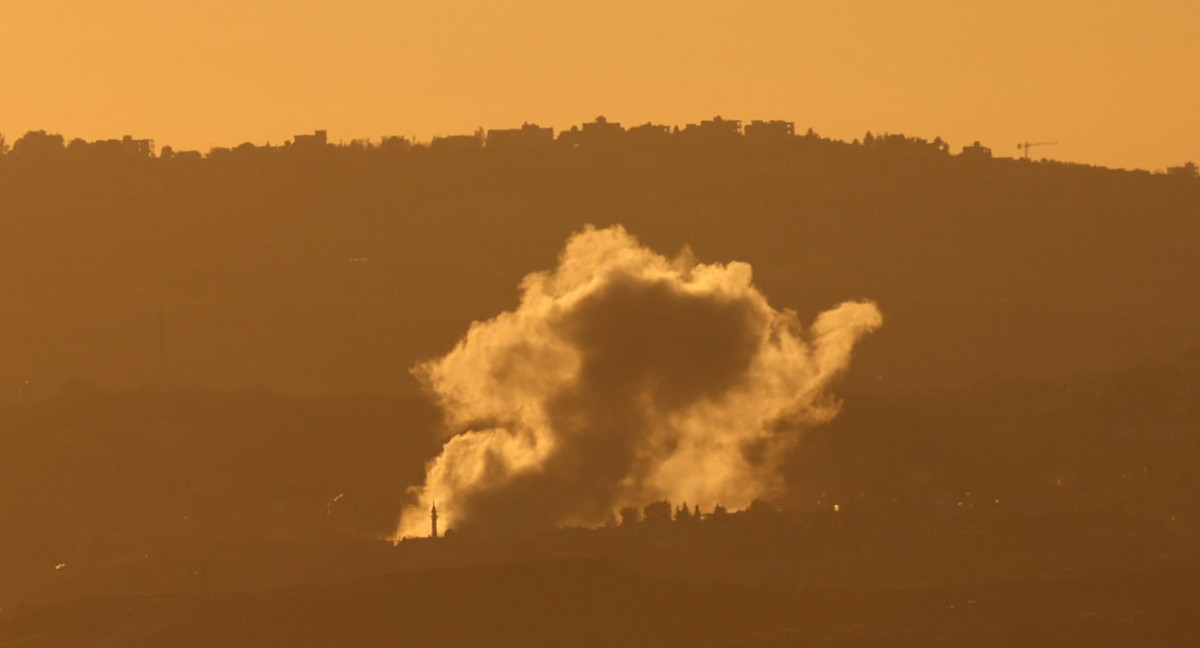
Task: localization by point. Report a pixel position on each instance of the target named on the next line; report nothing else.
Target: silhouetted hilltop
(313, 267)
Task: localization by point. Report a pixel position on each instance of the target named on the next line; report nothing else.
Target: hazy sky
(1114, 82)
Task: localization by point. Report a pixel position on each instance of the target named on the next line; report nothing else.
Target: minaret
(433, 519)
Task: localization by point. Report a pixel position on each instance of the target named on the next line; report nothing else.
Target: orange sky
(1114, 82)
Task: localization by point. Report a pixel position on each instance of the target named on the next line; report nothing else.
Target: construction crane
(1026, 146)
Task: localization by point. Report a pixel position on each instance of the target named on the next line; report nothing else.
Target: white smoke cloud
(624, 377)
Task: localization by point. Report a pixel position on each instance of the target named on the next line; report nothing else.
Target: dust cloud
(625, 377)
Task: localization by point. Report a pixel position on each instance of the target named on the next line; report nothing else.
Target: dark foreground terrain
(1010, 513)
(595, 603)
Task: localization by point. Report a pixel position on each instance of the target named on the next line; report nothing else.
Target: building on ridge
(775, 130)
(527, 136)
(715, 129)
(648, 134)
(599, 134)
(976, 151)
(457, 142)
(137, 147)
(318, 139)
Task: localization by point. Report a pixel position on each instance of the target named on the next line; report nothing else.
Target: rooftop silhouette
(599, 133)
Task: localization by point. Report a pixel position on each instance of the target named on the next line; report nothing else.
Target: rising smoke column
(624, 377)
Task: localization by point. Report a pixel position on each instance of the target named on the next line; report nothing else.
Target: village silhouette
(599, 135)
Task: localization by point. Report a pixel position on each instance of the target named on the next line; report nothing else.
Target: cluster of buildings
(43, 144)
(599, 133)
(602, 133)
(127, 145)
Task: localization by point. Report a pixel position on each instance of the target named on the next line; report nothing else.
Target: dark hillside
(337, 269)
(601, 604)
(174, 492)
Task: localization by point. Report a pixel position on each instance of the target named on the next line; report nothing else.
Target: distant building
(715, 129)
(648, 134)
(395, 143)
(433, 516)
(112, 149)
(1186, 170)
(457, 143)
(976, 151)
(770, 131)
(318, 139)
(602, 128)
(137, 147)
(527, 136)
(597, 134)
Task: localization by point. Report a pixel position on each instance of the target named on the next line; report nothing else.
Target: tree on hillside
(38, 143)
(657, 512)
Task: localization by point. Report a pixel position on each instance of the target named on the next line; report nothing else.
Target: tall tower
(433, 520)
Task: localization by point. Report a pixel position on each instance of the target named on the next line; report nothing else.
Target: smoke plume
(625, 377)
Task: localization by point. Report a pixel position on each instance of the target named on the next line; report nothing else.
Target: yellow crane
(1025, 146)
